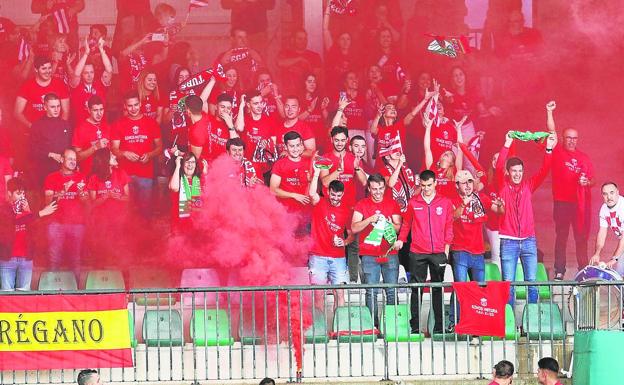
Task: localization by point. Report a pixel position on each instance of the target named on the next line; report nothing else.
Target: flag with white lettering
(393, 147)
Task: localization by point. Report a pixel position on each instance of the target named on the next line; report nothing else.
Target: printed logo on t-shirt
(439, 210)
(573, 166)
(135, 130)
(445, 134)
(484, 302)
(108, 184)
(483, 308)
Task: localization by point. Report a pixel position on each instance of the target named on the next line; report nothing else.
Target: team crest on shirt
(332, 217)
(135, 130)
(108, 184)
(219, 131)
(387, 136)
(573, 166)
(254, 130)
(439, 210)
(484, 302)
(445, 135)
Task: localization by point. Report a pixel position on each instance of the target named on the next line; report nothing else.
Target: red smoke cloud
(247, 233)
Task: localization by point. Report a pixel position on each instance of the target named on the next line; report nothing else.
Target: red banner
(64, 332)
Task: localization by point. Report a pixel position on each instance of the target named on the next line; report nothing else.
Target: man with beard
(611, 217)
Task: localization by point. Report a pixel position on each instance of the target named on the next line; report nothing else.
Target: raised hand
(550, 106)
(460, 123)
(325, 103)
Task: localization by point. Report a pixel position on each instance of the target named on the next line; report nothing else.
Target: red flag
(394, 146)
(24, 50)
(482, 309)
(431, 110)
(198, 3)
(342, 7)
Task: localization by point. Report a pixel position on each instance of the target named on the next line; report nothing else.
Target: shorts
(328, 269)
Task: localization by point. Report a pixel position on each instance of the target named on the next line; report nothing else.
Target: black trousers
(418, 265)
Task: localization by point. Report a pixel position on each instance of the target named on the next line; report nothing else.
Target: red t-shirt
(337, 64)
(355, 112)
(212, 134)
(20, 241)
(445, 185)
(70, 208)
(87, 133)
(387, 135)
(567, 168)
(255, 131)
(80, 95)
(300, 127)
(482, 309)
(442, 139)
(34, 94)
(199, 135)
(329, 221)
(150, 105)
(347, 176)
(387, 207)
(295, 178)
(316, 123)
(114, 184)
(468, 228)
(294, 75)
(136, 136)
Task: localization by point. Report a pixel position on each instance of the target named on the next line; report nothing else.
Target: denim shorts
(328, 269)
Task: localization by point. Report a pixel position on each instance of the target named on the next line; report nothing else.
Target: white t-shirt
(613, 218)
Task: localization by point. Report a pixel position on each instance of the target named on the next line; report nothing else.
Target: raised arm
(550, 119)
(240, 117)
(427, 143)
(459, 159)
(502, 158)
(414, 112)
(313, 189)
(393, 179)
(342, 104)
(174, 182)
(374, 129)
(537, 179)
(327, 37)
(205, 94)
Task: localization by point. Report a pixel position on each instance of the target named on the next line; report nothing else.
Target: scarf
(266, 153)
(248, 172)
(475, 207)
(188, 194)
(527, 136)
(405, 188)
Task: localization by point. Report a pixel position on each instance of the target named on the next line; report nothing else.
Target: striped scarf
(188, 194)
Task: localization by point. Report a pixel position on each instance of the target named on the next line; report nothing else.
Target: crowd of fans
(378, 133)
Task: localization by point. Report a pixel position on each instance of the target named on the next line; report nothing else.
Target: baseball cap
(463, 176)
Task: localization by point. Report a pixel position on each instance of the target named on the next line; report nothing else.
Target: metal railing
(244, 333)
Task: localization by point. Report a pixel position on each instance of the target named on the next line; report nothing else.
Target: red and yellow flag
(64, 332)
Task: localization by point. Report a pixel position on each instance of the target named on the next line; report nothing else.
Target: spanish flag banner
(64, 332)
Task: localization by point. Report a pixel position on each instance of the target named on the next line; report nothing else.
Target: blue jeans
(16, 273)
(372, 272)
(526, 250)
(68, 237)
(141, 193)
(328, 269)
(462, 262)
